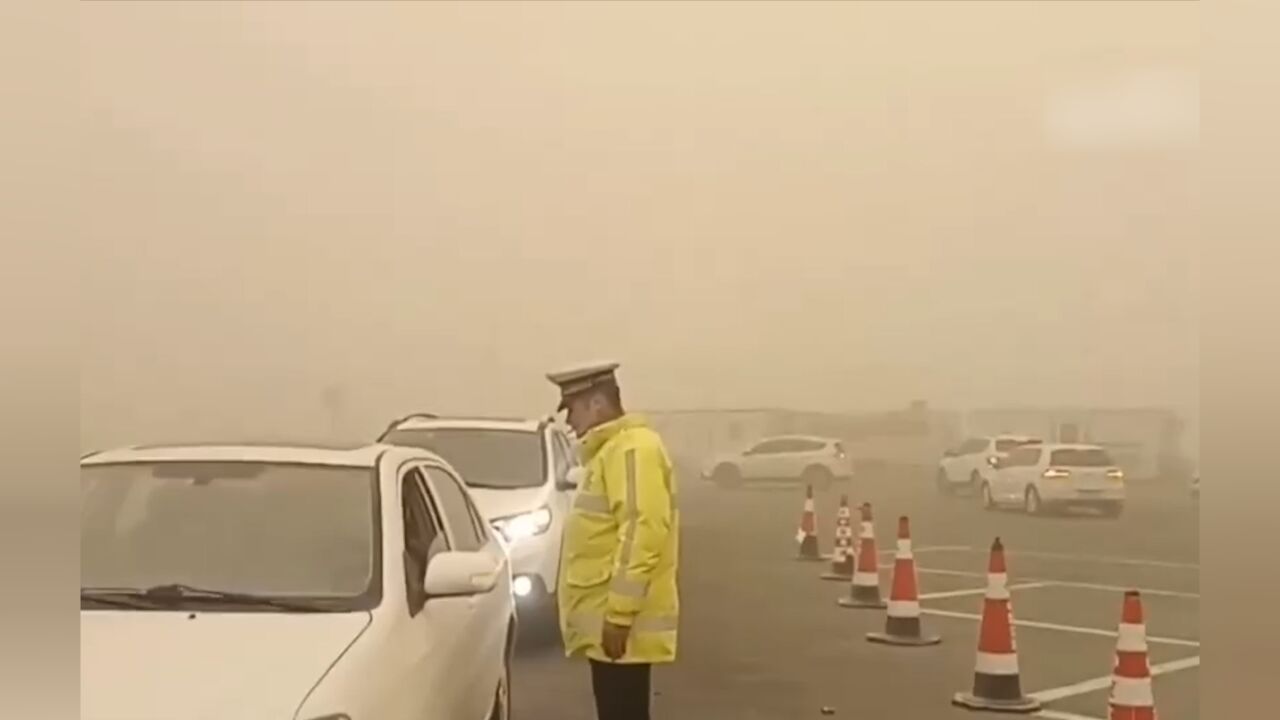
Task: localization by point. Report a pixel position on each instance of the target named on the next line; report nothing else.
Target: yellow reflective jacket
(621, 542)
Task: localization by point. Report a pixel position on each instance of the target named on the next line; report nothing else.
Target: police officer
(619, 606)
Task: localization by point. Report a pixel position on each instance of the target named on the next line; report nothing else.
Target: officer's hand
(614, 640)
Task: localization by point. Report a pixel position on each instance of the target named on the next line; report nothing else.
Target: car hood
(148, 665)
(494, 503)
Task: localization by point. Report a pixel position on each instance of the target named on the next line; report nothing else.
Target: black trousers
(622, 691)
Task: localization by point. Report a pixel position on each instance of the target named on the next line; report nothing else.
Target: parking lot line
(1059, 715)
(1119, 588)
(978, 591)
(1102, 683)
(1061, 583)
(1064, 628)
(1107, 560)
(1101, 559)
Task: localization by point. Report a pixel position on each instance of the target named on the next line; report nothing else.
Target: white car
(522, 474)
(1037, 478)
(970, 463)
(816, 461)
(288, 582)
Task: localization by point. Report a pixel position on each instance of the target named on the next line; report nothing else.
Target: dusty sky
(837, 206)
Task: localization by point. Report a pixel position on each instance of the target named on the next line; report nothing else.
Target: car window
(570, 451)
(423, 539)
(1081, 457)
(1024, 457)
(300, 531)
(768, 447)
(1007, 444)
(458, 514)
(560, 462)
(809, 445)
(484, 457)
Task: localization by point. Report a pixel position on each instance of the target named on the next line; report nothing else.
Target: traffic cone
(807, 535)
(997, 685)
(865, 590)
(902, 624)
(842, 555)
(1131, 696)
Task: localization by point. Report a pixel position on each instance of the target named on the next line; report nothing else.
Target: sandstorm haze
(837, 207)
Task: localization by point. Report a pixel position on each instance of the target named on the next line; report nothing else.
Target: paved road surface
(763, 639)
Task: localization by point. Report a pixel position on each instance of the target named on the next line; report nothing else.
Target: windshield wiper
(174, 594)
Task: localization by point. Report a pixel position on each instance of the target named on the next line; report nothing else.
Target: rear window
(1090, 457)
(502, 459)
(1004, 446)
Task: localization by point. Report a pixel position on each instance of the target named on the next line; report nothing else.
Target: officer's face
(584, 412)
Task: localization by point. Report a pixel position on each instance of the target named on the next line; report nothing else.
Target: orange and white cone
(807, 535)
(864, 592)
(997, 684)
(842, 555)
(902, 623)
(1131, 696)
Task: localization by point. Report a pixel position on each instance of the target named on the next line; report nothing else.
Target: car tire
(726, 476)
(817, 476)
(988, 497)
(1032, 502)
(944, 483)
(975, 482)
(501, 709)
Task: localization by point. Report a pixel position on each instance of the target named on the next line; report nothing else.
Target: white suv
(813, 460)
(968, 464)
(522, 474)
(1039, 477)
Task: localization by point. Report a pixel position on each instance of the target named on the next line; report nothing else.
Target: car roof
(812, 438)
(1068, 446)
(365, 456)
(470, 423)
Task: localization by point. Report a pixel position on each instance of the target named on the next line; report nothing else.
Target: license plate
(1089, 491)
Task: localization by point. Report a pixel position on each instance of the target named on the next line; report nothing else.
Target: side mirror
(459, 574)
(572, 479)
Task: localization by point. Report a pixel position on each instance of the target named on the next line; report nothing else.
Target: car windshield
(1008, 444)
(1081, 457)
(485, 458)
(281, 531)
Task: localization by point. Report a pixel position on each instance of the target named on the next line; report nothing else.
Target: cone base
(837, 576)
(904, 640)
(810, 558)
(848, 602)
(1017, 705)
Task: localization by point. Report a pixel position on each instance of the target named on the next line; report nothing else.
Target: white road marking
(1063, 583)
(1119, 588)
(1064, 628)
(929, 548)
(1101, 559)
(1102, 683)
(978, 591)
(1059, 715)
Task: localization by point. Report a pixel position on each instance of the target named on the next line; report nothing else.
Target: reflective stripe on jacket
(621, 544)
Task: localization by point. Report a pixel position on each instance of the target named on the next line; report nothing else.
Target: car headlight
(525, 525)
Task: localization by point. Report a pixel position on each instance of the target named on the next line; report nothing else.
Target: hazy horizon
(829, 207)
